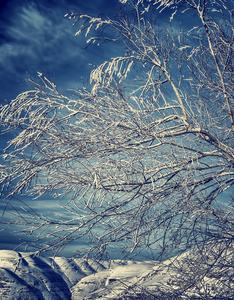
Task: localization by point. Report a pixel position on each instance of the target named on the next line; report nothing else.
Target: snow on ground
(31, 277)
(111, 282)
(25, 276)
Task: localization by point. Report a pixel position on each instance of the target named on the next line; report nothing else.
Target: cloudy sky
(35, 37)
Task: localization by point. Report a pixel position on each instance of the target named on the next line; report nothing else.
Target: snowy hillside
(25, 276)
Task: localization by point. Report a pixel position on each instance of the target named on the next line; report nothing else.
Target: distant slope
(25, 276)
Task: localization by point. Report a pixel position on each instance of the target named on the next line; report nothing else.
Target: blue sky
(35, 36)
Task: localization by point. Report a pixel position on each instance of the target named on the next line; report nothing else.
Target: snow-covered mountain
(26, 276)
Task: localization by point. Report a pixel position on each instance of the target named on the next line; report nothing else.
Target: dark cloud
(35, 36)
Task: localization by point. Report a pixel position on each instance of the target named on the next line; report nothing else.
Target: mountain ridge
(26, 276)
(198, 273)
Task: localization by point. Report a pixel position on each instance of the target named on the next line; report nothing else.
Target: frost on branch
(159, 4)
(119, 67)
(144, 159)
(89, 24)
